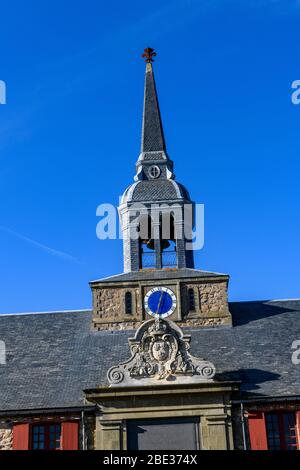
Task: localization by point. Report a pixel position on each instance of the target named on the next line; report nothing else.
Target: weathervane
(149, 54)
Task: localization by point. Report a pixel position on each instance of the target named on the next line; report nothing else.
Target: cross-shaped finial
(149, 54)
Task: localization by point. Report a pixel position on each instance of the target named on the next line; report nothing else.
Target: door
(163, 434)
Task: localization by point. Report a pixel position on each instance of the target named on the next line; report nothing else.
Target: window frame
(282, 436)
(191, 300)
(128, 303)
(47, 433)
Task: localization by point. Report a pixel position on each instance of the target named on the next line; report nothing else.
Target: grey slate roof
(161, 274)
(53, 357)
(155, 190)
(152, 130)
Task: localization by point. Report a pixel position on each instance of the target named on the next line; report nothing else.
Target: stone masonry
(5, 436)
(211, 303)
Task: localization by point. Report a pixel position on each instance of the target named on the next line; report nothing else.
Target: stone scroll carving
(160, 353)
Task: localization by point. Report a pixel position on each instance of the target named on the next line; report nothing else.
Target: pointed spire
(152, 131)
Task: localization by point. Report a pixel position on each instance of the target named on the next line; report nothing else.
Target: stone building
(162, 361)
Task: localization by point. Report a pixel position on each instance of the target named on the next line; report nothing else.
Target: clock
(160, 302)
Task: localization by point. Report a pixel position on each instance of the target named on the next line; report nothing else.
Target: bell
(150, 244)
(165, 244)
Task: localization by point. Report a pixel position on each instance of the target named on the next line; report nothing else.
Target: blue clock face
(160, 302)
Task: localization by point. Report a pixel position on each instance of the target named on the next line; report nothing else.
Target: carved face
(160, 350)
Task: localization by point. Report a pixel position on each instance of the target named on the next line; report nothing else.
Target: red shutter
(21, 437)
(257, 431)
(69, 435)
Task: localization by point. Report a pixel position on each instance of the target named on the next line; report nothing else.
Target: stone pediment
(160, 354)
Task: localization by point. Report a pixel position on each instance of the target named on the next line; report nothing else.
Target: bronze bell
(165, 244)
(150, 244)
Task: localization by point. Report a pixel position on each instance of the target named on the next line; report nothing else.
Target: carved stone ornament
(160, 353)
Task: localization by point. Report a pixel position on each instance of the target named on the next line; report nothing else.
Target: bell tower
(156, 216)
(156, 211)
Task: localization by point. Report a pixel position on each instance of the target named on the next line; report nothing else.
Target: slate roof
(155, 190)
(145, 275)
(152, 131)
(53, 357)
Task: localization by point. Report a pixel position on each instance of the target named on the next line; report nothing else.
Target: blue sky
(70, 133)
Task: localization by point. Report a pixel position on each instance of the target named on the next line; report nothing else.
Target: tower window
(128, 303)
(168, 243)
(191, 299)
(146, 243)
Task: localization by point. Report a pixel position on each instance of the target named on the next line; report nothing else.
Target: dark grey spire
(153, 146)
(152, 131)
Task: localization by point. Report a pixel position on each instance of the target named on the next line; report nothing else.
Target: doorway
(163, 434)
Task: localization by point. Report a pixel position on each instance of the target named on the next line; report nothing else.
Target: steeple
(158, 198)
(153, 145)
(152, 131)
(156, 218)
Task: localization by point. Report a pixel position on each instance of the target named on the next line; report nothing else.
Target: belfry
(156, 195)
(156, 216)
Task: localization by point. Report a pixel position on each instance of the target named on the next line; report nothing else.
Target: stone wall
(211, 299)
(211, 304)
(5, 436)
(107, 304)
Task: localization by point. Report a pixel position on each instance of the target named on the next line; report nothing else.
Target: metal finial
(148, 55)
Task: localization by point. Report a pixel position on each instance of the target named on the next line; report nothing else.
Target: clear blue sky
(70, 133)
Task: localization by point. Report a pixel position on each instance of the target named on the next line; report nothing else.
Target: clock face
(160, 302)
